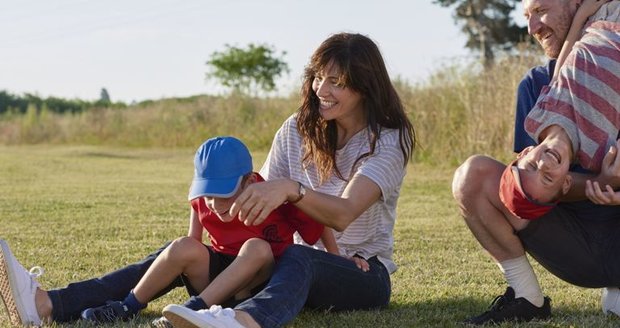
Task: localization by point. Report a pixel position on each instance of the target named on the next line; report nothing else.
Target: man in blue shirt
(576, 241)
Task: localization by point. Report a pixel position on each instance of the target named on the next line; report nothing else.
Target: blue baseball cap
(219, 166)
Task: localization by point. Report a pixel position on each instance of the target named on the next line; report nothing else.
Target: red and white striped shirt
(585, 99)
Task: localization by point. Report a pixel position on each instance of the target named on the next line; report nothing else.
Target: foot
(18, 288)
(161, 322)
(508, 308)
(110, 312)
(610, 300)
(214, 317)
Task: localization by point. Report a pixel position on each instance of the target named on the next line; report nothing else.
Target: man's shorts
(578, 242)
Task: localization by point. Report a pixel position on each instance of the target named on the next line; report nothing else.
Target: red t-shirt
(277, 229)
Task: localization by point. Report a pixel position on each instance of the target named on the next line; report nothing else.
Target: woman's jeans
(318, 280)
(70, 301)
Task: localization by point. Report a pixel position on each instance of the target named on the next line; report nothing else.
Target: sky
(152, 49)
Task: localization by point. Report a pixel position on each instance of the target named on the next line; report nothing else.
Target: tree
(487, 24)
(247, 70)
(104, 96)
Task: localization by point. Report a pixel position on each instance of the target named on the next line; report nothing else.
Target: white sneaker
(610, 300)
(214, 317)
(18, 288)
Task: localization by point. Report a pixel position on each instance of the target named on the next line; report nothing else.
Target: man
(576, 240)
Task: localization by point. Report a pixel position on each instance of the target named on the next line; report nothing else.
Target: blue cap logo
(219, 166)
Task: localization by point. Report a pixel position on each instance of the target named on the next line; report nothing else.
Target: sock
(133, 305)
(196, 303)
(520, 276)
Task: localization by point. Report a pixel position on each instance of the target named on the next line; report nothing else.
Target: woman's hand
(361, 263)
(261, 198)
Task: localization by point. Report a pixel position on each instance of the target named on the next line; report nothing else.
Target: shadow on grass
(445, 313)
(107, 155)
(437, 313)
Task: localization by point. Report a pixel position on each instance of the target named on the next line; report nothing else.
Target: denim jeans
(70, 301)
(318, 280)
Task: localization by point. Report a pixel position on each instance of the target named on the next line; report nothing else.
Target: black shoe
(508, 308)
(110, 312)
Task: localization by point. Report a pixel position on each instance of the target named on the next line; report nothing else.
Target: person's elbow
(343, 220)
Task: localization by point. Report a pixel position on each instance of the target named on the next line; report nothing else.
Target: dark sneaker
(110, 312)
(508, 308)
(161, 323)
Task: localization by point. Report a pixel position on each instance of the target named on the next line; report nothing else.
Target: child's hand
(598, 196)
(588, 8)
(361, 263)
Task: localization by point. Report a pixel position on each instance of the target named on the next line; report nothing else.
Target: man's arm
(589, 185)
(586, 9)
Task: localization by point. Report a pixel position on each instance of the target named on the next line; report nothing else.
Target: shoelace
(498, 303)
(107, 313)
(36, 271)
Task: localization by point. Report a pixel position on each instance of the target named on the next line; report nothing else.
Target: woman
(341, 159)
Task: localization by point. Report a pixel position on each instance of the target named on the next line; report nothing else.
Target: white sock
(520, 276)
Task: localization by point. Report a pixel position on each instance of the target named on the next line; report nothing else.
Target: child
(576, 118)
(239, 259)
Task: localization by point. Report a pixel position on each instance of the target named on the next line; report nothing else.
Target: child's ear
(568, 181)
(525, 151)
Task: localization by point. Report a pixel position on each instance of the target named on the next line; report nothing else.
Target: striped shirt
(585, 99)
(371, 234)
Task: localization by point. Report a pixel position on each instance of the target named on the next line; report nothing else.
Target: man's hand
(598, 196)
(610, 168)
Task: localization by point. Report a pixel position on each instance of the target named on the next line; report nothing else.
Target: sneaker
(110, 312)
(161, 322)
(610, 300)
(214, 317)
(508, 308)
(18, 288)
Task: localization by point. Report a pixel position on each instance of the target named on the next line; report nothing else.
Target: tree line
(18, 104)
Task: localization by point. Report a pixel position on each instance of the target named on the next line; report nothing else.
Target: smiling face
(544, 172)
(548, 21)
(220, 206)
(336, 100)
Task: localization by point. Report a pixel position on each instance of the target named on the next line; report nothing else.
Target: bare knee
(185, 249)
(476, 184)
(469, 177)
(258, 249)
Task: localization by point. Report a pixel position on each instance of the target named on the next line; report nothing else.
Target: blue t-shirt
(527, 94)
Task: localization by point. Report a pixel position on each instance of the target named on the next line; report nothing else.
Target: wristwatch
(302, 193)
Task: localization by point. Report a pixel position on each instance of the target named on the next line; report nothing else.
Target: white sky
(149, 49)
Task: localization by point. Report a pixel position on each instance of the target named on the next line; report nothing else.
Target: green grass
(81, 211)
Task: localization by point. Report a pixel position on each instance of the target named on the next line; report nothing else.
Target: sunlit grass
(81, 211)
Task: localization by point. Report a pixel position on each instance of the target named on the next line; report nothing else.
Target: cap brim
(514, 198)
(223, 188)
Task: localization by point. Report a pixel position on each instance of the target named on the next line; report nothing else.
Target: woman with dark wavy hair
(341, 159)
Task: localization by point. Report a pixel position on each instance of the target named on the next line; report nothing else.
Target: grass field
(80, 211)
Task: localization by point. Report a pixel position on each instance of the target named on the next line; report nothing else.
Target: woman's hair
(361, 68)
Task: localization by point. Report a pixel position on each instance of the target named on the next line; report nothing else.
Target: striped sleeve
(386, 167)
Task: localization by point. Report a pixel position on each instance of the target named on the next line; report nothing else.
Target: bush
(460, 110)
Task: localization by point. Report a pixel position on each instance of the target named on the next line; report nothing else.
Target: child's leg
(181, 255)
(252, 267)
(184, 256)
